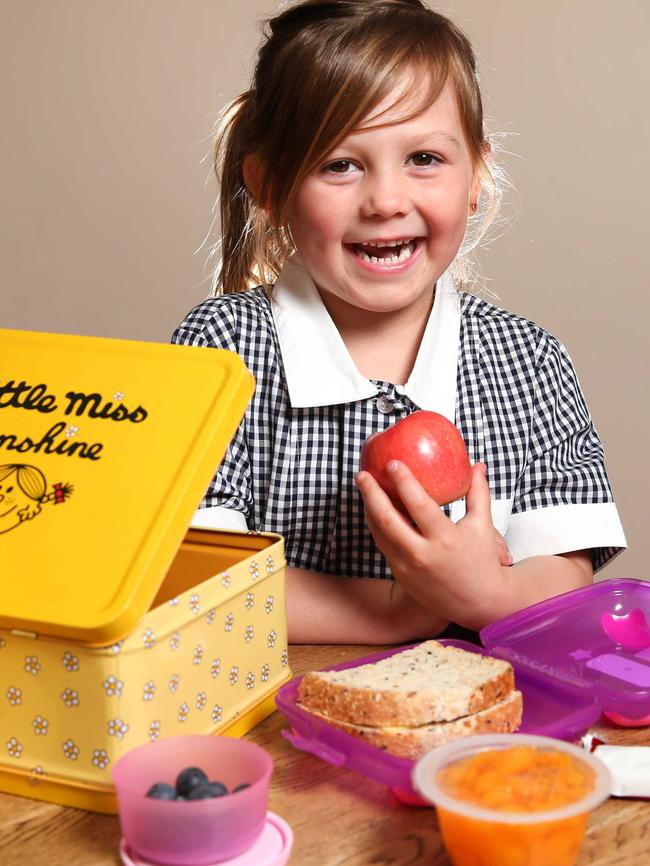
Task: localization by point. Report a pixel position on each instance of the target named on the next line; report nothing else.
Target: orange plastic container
(512, 799)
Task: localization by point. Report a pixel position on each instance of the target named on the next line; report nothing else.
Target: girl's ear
(474, 193)
(253, 172)
(475, 189)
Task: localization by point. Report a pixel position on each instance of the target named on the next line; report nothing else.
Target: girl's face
(383, 217)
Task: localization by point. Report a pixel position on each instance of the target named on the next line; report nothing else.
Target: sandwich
(414, 700)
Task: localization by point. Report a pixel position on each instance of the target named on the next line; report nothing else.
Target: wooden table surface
(338, 817)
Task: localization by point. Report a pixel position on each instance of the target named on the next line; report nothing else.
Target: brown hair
(323, 67)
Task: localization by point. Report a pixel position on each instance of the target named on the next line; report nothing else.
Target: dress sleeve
(213, 325)
(563, 501)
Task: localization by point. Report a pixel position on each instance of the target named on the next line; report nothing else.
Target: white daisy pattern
(215, 668)
(195, 603)
(100, 758)
(149, 638)
(118, 395)
(149, 690)
(116, 647)
(201, 700)
(174, 682)
(14, 747)
(249, 633)
(197, 657)
(268, 604)
(32, 665)
(117, 728)
(225, 579)
(272, 638)
(228, 622)
(173, 601)
(113, 687)
(70, 750)
(71, 430)
(217, 713)
(284, 658)
(70, 662)
(14, 696)
(254, 570)
(70, 697)
(269, 564)
(250, 680)
(249, 601)
(175, 641)
(265, 672)
(154, 730)
(233, 676)
(36, 775)
(183, 712)
(210, 616)
(40, 726)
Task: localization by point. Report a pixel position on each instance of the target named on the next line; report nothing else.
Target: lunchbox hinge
(20, 633)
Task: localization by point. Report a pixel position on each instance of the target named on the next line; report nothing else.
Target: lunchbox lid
(106, 449)
(597, 637)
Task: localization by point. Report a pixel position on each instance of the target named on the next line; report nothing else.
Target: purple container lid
(552, 708)
(596, 637)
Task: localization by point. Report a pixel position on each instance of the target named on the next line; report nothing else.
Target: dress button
(384, 405)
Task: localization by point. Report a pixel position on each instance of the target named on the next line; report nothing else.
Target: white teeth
(405, 253)
(387, 243)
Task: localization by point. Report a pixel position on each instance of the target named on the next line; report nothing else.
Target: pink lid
(272, 848)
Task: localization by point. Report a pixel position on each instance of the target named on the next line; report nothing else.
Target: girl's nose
(386, 196)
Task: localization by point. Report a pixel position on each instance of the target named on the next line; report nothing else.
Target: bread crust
(412, 743)
(427, 683)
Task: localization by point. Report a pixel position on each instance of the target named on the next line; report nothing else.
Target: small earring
(473, 206)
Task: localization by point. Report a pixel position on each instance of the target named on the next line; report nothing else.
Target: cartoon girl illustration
(23, 490)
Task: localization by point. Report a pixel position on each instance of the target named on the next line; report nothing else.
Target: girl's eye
(423, 160)
(340, 166)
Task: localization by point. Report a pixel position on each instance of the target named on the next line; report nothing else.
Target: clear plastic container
(193, 832)
(513, 830)
(596, 637)
(552, 708)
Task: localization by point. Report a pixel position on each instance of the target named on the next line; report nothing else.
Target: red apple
(431, 447)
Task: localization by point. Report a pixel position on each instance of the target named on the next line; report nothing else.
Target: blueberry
(161, 791)
(201, 792)
(208, 791)
(188, 779)
(240, 787)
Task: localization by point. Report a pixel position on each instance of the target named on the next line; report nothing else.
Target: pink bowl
(193, 832)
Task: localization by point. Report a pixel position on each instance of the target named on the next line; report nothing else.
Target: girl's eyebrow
(418, 139)
(439, 133)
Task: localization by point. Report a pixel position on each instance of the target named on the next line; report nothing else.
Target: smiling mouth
(389, 252)
(5, 513)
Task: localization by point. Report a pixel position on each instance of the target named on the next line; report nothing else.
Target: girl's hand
(455, 569)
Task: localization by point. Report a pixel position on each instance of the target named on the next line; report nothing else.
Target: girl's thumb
(478, 495)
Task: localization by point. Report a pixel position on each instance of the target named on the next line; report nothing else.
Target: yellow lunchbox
(118, 625)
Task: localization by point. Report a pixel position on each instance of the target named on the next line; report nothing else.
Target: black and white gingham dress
(509, 386)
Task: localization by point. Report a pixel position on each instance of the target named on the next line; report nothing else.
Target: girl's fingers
(383, 519)
(505, 557)
(478, 496)
(424, 511)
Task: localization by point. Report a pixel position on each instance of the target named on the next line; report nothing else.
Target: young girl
(355, 176)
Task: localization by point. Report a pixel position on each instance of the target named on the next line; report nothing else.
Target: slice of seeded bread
(427, 683)
(412, 743)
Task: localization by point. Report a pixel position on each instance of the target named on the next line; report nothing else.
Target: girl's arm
(454, 568)
(324, 608)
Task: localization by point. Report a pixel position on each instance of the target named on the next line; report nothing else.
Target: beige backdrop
(107, 111)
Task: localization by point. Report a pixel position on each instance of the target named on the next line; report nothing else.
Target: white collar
(319, 368)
